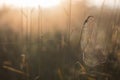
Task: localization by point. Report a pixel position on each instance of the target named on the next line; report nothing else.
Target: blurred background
(59, 39)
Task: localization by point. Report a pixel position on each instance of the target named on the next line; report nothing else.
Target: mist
(62, 43)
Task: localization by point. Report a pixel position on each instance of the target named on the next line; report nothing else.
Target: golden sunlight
(49, 3)
(99, 3)
(31, 3)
